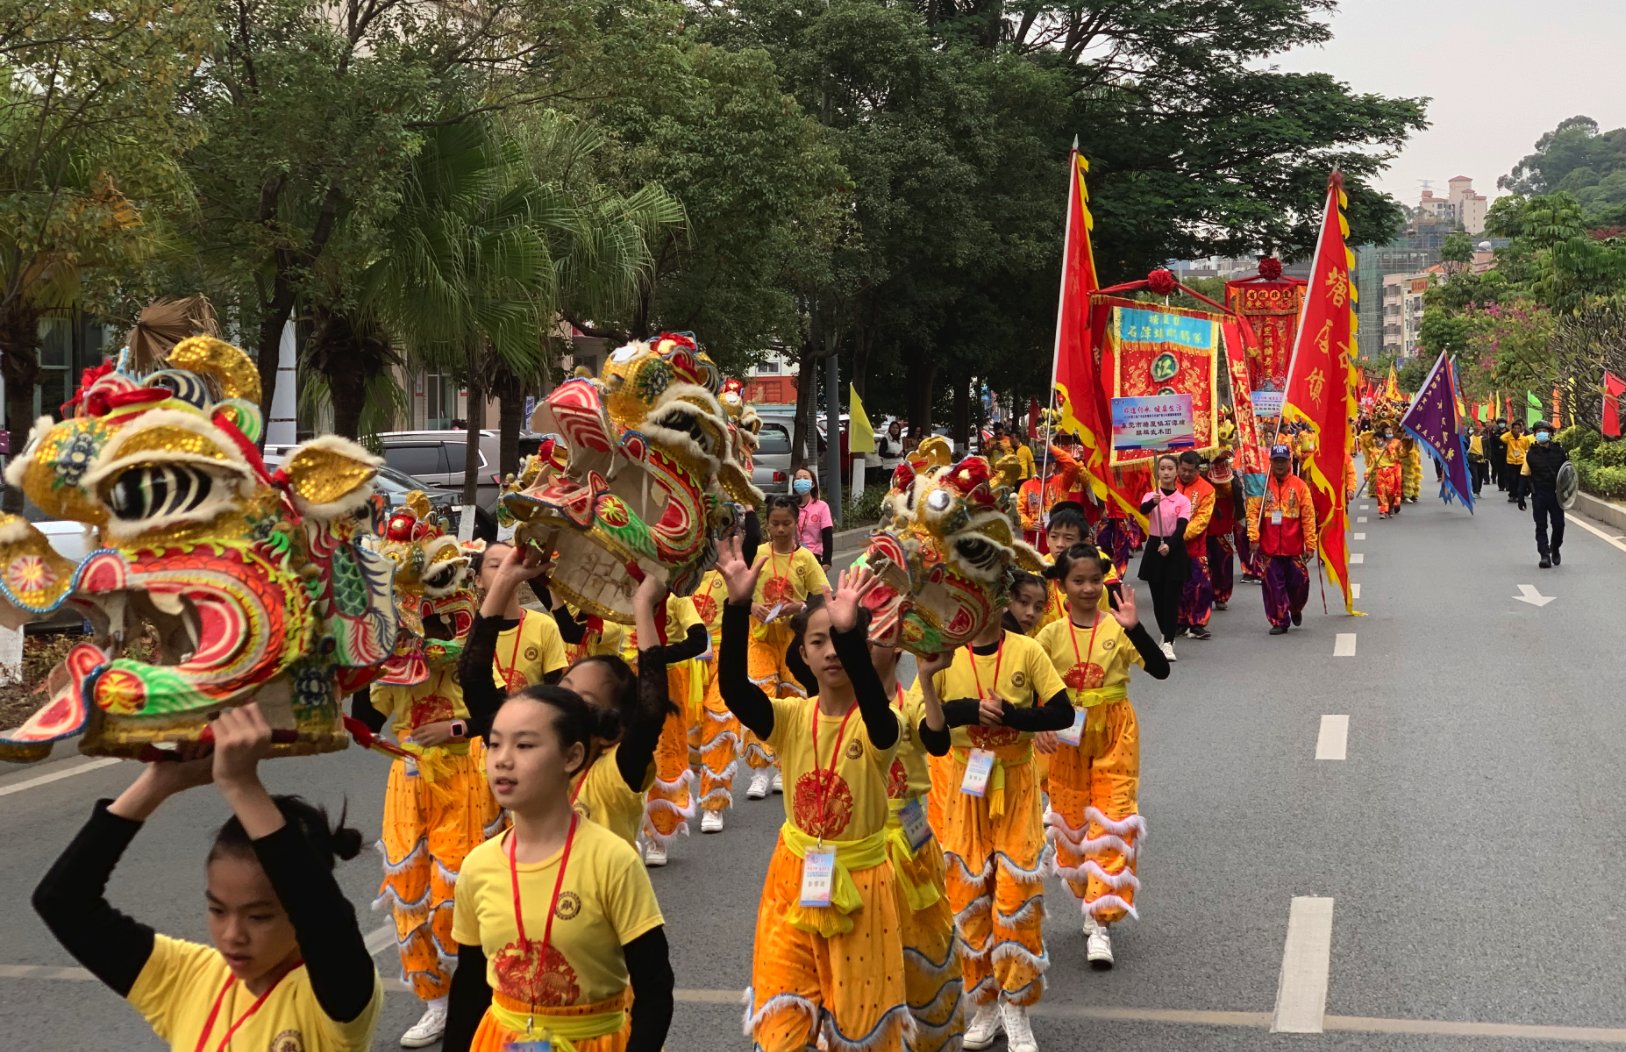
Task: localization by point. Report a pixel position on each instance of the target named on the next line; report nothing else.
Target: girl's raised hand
(739, 575)
(1124, 610)
(853, 585)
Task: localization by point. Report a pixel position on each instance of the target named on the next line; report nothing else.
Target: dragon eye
(147, 492)
(977, 552)
(939, 500)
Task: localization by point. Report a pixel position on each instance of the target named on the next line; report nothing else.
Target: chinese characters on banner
(1272, 308)
(1152, 424)
(1151, 352)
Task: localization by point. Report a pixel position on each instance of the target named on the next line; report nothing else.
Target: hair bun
(347, 842)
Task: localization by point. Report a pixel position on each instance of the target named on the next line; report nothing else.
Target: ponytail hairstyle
(330, 842)
(623, 690)
(574, 720)
(1058, 570)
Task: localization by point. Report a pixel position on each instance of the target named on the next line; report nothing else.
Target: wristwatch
(460, 729)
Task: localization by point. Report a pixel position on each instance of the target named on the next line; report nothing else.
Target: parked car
(395, 485)
(770, 465)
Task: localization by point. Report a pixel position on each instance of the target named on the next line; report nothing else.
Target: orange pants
(1094, 821)
(845, 992)
(1386, 487)
(715, 734)
(432, 819)
(765, 664)
(492, 1036)
(931, 964)
(995, 884)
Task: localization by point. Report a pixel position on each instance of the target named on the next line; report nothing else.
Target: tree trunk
(510, 407)
(960, 416)
(268, 352)
(922, 376)
(804, 443)
(20, 364)
(476, 423)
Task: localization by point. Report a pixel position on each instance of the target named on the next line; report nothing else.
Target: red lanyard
(209, 1024)
(897, 689)
(999, 657)
(1089, 649)
(822, 785)
(773, 564)
(558, 886)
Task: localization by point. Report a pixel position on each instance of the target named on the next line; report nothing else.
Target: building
(1467, 207)
(1403, 310)
(1380, 327)
(772, 381)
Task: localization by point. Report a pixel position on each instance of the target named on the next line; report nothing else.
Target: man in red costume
(1282, 524)
(1222, 528)
(1197, 597)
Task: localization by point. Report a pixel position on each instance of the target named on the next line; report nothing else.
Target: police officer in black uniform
(1541, 463)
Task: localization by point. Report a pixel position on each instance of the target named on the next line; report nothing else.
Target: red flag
(1613, 388)
(1321, 382)
(1033, 417)
(1079, 397)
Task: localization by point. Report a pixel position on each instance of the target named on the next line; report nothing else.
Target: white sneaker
(778, 781)
(1168, 651)
(654, 854)
(429, 1027)
(711, 822)
(759, 785)
(983, 1029)
(1018, 1034)
(1098, 947)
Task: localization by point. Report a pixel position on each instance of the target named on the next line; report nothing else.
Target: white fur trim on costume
(446, 873)
(965, 870)
(1107, 902)
(420, 848)
(389, 899)
(986, 992)
(495, 826)
(895, 1019)
(1023, 912)
(776, 1003)
(19, 463)
(1131, 826)
(727, 774)
(1115, 881)
(657, 803)
(681, 829)
(720, 793)
(925, 965)
(1022, 874)
(1015, 951)
(975, 908)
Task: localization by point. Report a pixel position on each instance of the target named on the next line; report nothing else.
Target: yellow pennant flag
(860, 435)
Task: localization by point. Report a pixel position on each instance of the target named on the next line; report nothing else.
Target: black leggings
(1166, 606)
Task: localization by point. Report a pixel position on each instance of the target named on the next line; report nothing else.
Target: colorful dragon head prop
(434, 586)
(944, 552)
(640, 481)
(252, 585)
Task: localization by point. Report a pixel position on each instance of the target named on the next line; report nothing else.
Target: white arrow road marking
(1333, 741)
(1528, 594)
(1301, 993)
(1344, 645)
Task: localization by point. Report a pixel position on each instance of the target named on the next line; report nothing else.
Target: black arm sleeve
(467, 1002)
(341, 969)
(361, 707)
(694, 644)
(752, 539)
(827, 537)
(1150, 652)
(72, 901)
(481, 695)
(642, 731)
(1056, 714)
(1145, 506)
(571, 630)
(649, 972)
(879, 720)
(743, 698)
(962, 712)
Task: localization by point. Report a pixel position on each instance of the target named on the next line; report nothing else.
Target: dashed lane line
(1357, 559)
(1301, 992)
(58, 775)
(1360, 520)
(1360, 536)
(1354, 589)
(1332, 743)
(1344, 645)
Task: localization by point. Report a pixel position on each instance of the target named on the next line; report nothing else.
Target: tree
(89, 132)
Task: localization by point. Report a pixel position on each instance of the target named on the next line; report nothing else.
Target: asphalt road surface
(1397, 831)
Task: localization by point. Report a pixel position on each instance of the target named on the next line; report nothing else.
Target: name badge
(818, 877)
(539, 1045)
(1276, 517)
(977, 770)
(915, 827)
(411, 766)
(1074, 734)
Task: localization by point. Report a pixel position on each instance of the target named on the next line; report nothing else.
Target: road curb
(1600, 510)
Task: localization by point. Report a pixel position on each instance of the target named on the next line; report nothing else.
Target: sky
(1500, 74)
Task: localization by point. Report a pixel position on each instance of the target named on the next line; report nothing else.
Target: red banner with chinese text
(1272, 309)
(1150, 349)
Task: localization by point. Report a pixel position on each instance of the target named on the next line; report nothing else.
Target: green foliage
(1413, 371)
(1579, 441)
(1601, 481)
(1577, 159)
(866, 510)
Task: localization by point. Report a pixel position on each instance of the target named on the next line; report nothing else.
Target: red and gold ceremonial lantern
(434, 587)
(252, 586)
(944, 552)
(641, 478)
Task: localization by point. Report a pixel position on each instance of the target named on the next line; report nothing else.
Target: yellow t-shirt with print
(1055, 600)
(681, 615)
(1516, 447)
(440, 697)
(605, 903)
(855, 801)
(709, 598)
(909, 776)
(785, 578)
(1020, 672)
(1101, 661)
(603, 796)
(180, 981)
(528, 652)
(610, 639)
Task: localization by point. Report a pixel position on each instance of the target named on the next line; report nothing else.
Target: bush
(866, 510)
(1602, 480)
(1579, 440)
(1608, 455)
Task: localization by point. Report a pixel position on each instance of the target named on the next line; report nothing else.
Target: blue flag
(1432, 420)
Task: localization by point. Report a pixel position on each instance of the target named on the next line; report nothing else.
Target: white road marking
(1366, 507)
(1333, 741)
(1354, 590)
(380, 938)
(57, 776)
(1357, 559)
(1360, 536)
(1301, 993)
(1360, 520)
(1602, 536)
(1344, 645)
(1528, 594)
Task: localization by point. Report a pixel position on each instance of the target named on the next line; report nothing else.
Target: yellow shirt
(529, 651)
(1102, 659)
(785, 578)
(605, 903)
(611, 639)
(1020, 673)
(603, 796)
(709, 599)
(908, 776)
(855, 802)
(681, 616)
(1516, 447)
(1476, 445)
(1024, 457)
(178, 985)
(440, 697)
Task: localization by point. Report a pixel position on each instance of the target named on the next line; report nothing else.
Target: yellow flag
(860, 435)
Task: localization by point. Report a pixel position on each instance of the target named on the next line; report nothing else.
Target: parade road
(1398, 831)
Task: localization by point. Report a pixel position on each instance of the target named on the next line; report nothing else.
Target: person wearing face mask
(1540, 480)
(815, 527)
(1517, 444)
(1387, 459)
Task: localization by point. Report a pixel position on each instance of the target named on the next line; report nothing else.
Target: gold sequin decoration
(231, 370)
(322, 476)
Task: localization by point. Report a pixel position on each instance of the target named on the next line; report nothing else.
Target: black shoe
(1298, 618)
(1556, 557)
(1199, 632)
(1546, 563)
(1278, 630)
(1522, 507)
(1219, 604)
